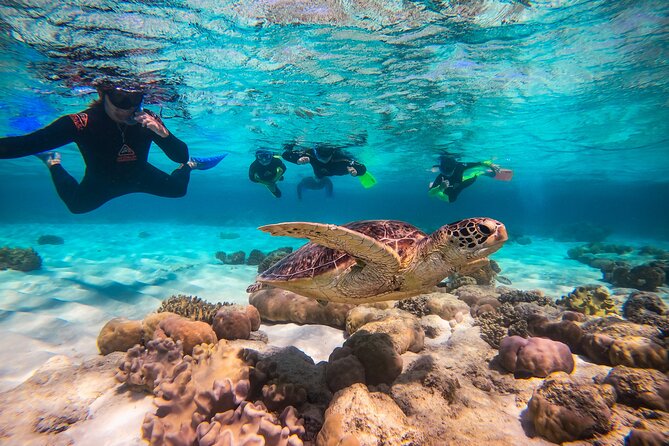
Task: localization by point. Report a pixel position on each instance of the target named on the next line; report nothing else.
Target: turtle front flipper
(370, 251)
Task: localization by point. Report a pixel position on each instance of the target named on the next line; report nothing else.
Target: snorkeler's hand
(352, 171)
(303, 160)
(150, 122)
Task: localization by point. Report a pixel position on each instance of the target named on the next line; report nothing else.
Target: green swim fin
(367, 180)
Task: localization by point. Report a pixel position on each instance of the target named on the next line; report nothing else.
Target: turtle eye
(483, 229)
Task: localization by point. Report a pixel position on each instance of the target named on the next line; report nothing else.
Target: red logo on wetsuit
(126, 154)
(80, 120)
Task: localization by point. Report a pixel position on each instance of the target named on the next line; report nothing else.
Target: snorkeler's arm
(174, 148)
(293, 156)
(56, 134)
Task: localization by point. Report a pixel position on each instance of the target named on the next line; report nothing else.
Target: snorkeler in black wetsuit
(113, 136)
(267, 169)
(455, 176)
(326, 160)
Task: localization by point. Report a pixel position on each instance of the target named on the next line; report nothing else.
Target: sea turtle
(377, 260)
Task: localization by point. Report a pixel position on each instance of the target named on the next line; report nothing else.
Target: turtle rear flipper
(371, 252)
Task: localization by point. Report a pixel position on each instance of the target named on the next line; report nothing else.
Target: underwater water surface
(571, 95)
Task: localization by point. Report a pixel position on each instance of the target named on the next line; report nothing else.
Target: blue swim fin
(205, 163)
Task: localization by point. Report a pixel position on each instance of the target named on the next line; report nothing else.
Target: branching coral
(191, 307)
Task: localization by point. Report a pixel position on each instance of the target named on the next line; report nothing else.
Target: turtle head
(470, 239)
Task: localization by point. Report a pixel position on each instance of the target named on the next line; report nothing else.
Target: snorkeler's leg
(274, 189)
(327, 184)
(453, 192)
(156, 182)
(314, 184)
(80, 198)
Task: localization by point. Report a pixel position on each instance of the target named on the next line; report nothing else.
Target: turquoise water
(571, 95)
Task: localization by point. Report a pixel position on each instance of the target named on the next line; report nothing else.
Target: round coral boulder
(562, 410)
(236, 322)
(190, 333)
(119, 335)
(534, 356)
(378, 356)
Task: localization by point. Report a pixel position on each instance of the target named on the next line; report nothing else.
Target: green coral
(592, 300)
(19, 259)
(191, 307)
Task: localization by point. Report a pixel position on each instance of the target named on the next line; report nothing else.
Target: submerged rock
(50, 240)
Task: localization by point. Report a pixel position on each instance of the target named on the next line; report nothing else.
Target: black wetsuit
(115, 156)
(268, 175)
(337, 165)
(455, 181)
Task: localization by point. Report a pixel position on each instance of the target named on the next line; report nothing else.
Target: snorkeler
(454, 176)
(267, 169)
(113, 135)
(327, 160)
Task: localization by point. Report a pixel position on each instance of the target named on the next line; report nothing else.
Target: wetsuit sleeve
(293, 155)
(60, 132)
(252, 173)
(174, 148)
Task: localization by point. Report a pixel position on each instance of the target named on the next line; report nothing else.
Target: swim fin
(205, 163)
(367, 180)
(504, 175)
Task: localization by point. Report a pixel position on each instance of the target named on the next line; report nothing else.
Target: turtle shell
(312, 259)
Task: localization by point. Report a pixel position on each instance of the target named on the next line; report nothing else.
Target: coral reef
(19, 259)
(119, 335)
(567, 410)
(191, 307)
(276, 305)
(534, 356)
(592, 300)
(50, 240)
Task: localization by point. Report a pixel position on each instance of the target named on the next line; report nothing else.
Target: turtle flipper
(354, 243)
